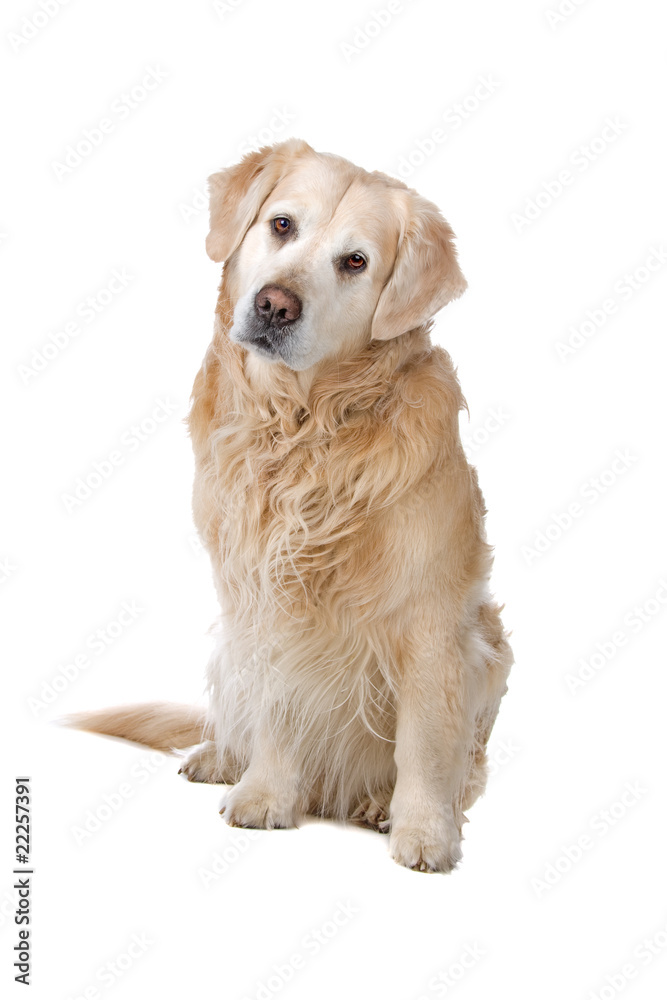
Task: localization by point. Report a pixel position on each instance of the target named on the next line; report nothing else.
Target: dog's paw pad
(423, 853)
(371, 813)
(202, 766)
(258, 809)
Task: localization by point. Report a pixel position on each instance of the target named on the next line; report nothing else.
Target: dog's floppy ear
(238, 193)
(426, 274)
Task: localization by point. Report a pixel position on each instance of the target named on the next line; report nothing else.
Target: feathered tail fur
(161, 725)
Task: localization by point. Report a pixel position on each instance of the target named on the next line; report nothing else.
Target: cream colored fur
(359, 660)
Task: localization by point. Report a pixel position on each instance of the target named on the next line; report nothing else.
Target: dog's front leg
(267, 796)
(433, 736)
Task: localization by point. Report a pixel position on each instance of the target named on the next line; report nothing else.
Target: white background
(530, 921)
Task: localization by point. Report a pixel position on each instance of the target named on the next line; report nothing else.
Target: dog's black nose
(277, 307)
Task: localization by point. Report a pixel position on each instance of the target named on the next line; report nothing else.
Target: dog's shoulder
(424, 404)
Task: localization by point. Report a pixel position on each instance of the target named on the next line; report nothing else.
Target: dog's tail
(161, 725)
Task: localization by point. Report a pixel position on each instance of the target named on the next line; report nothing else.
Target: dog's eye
(355, 262)
(281, 225)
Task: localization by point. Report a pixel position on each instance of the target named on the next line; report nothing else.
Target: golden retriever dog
(359, 659)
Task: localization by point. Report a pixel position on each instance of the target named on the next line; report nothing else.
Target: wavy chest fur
(288, 485)
(296, 497)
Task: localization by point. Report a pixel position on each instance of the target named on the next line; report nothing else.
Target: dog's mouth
(269, 342)
(253, 336)
(262, 343)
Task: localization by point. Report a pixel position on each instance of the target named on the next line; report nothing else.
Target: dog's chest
(289, 495)
(290, 519)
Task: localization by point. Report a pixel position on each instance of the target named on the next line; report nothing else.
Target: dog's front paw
(433, 845)
(252, 805)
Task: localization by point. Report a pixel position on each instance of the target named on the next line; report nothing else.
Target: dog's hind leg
(204, 765)
(498, 662)
(373, 812)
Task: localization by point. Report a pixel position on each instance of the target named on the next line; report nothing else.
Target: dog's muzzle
(276, 307)
(275, 311)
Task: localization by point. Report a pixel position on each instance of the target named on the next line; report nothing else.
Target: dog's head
(321, 256)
